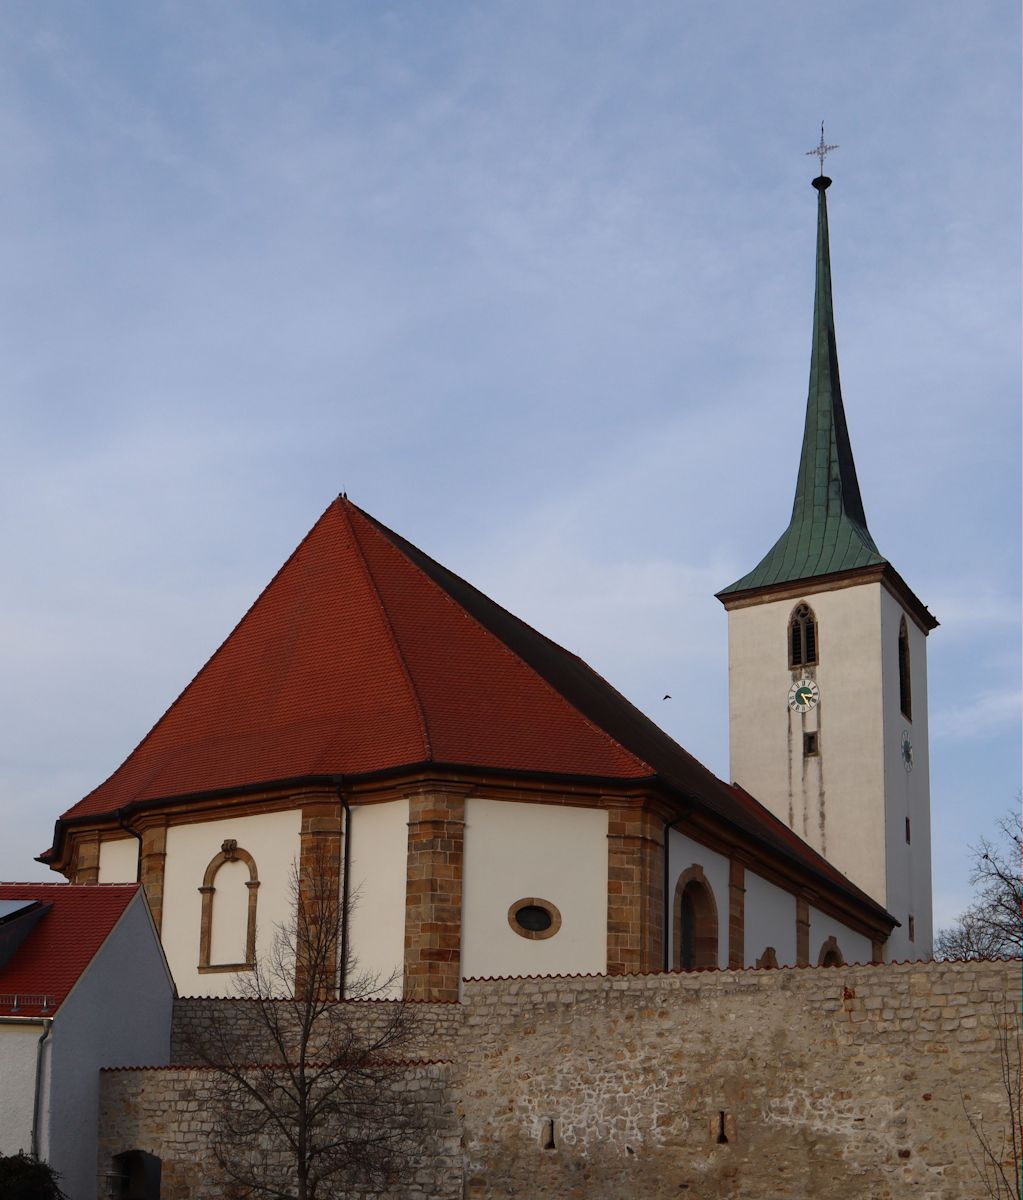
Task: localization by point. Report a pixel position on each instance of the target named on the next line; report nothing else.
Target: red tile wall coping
(390, 1062)
(902, 962)
(362, 1000)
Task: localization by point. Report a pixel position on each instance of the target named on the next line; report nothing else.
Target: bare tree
(990, 927)
(308, 1089)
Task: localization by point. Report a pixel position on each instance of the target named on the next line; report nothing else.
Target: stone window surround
(705, 938)
(230, 851)
(803, 618)
(535, 935)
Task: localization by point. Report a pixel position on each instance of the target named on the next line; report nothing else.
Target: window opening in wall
(695, 923)
(722, 1138)
(905, 685)
(908, 838)
(811, 743)
(534, 918)
(802, 637)
(688, 916)
(912, 929)
(547, 1139)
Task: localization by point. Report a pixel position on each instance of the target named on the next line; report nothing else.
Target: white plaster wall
(119, 860)
(683, 853)
(769, 920)
(907, 793)
(854, 946)
(18, 1044)
(229, 926)
(376, 922)
(517, 850)
(273, 841)
(117, 1015)
(836, 800)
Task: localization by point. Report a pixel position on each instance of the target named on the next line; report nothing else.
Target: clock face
(803, 695)
(907, 750)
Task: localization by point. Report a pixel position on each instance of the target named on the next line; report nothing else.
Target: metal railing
(15, 1001)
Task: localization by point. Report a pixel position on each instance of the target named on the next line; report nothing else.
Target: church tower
(827, 667)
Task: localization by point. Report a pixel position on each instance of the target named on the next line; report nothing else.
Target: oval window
(534, 918)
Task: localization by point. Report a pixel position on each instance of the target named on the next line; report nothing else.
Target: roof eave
(883, 573)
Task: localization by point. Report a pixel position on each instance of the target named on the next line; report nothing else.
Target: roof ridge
(220, 648)
(394, 539)
(344, 504)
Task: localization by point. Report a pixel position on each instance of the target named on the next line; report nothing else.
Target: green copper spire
(828, 530)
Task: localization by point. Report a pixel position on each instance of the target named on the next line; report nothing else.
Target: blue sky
(533, 284)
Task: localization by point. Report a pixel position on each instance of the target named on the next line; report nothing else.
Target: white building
(491, 806)
(83, 985)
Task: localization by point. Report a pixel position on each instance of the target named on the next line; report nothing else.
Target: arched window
(695, 927)
(227, 929)
(802, 637)
(830, 955)
(905, 686)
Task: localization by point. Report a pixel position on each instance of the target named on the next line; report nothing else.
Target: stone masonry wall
(435, 1027)
(816, 1083)
(170, 1112)
(826, 1082)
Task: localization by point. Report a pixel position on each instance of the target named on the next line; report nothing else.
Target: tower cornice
(883, 573)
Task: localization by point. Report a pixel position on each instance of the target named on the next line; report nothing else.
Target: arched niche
(695, 924)
(234, 909)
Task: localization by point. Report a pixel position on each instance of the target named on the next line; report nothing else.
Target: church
(487, 805)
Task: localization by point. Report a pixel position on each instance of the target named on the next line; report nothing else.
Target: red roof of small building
(62, 942)
(364, 656)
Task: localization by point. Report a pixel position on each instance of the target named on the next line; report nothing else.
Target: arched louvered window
(905, 686)
(802, 637)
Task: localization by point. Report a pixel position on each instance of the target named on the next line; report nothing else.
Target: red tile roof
(62, 943)
(363, 655)
(354, 661)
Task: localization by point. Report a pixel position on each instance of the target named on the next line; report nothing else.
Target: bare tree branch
(991, 926)
(318, 1106)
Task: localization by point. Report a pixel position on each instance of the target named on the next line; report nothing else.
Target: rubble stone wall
(434, 1027)
(811, 1082)
(866, 1083)
(171, 1112)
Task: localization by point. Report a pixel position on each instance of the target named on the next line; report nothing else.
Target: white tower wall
(851, 800)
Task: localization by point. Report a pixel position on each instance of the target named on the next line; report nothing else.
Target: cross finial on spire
(823, 150)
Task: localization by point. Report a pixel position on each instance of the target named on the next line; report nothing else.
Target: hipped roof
(364, 656)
